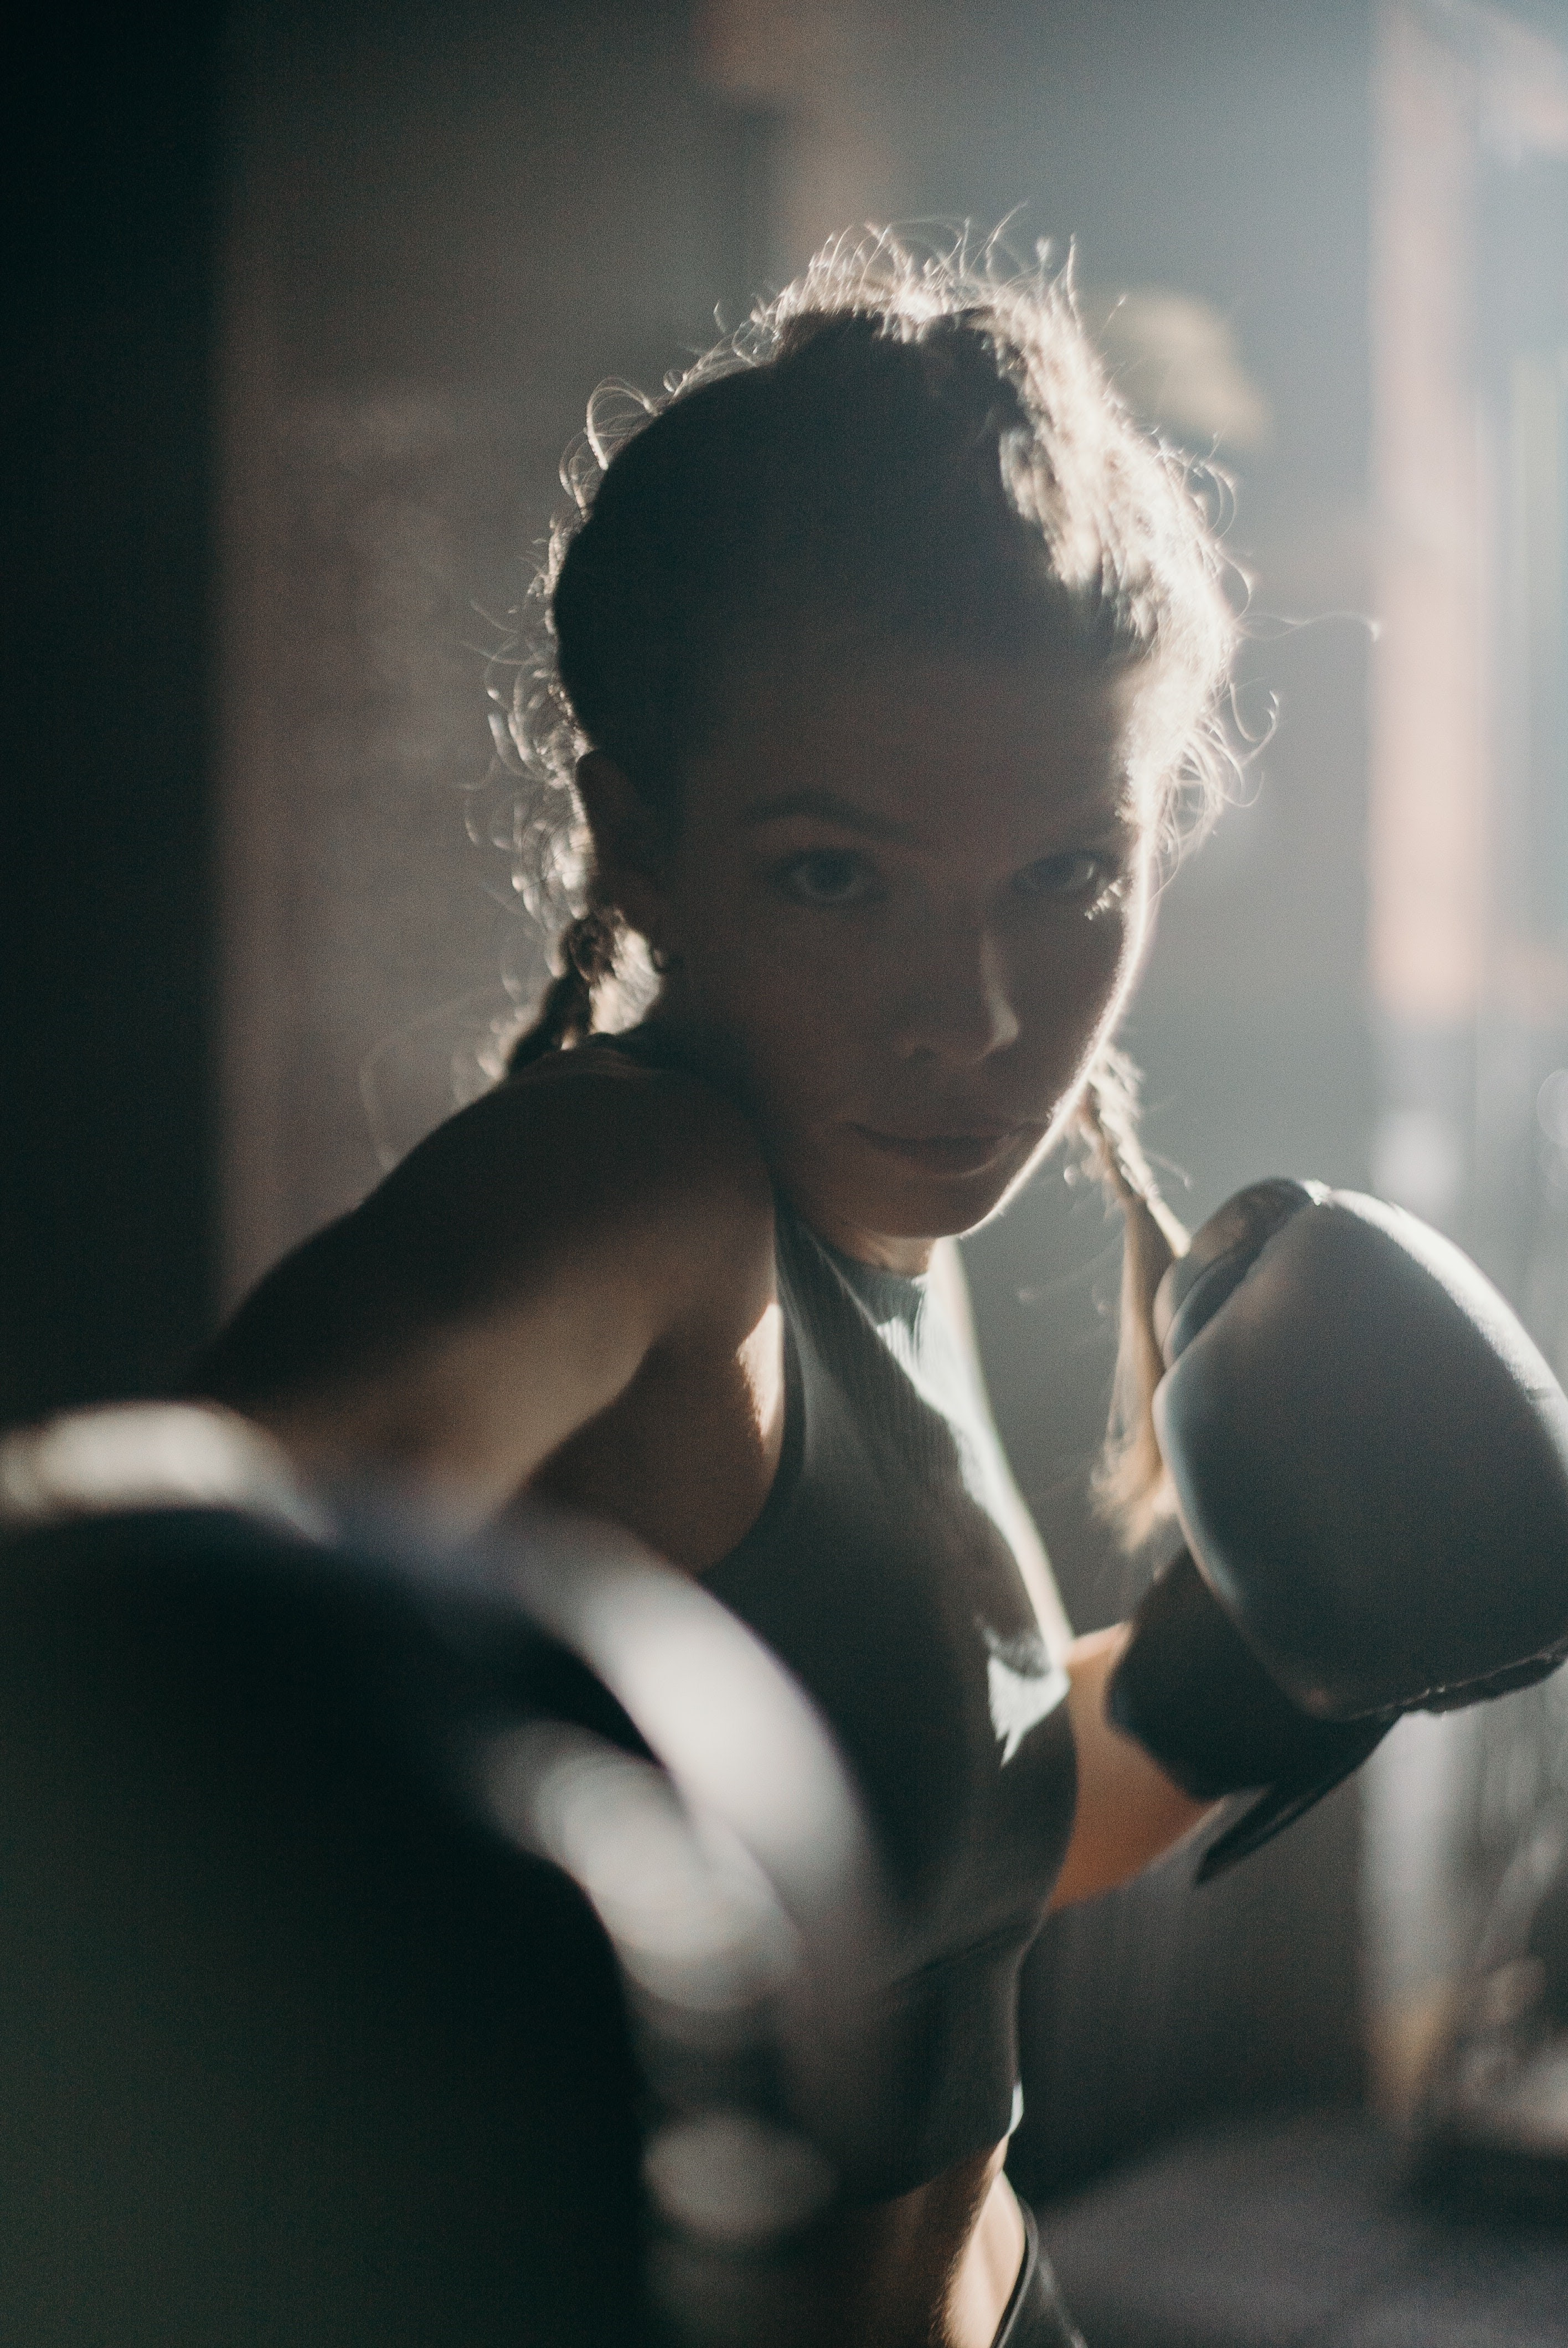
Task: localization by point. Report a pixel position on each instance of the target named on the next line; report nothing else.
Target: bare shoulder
(508, 1279)
(586, 1158)
(682, 1119)
(605, 1129)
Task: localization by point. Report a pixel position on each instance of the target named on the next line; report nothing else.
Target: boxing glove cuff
(1192, 1692)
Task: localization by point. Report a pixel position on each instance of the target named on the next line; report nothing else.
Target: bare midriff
(936, 2266)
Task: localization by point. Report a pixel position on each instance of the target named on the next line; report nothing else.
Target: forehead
(951, 751)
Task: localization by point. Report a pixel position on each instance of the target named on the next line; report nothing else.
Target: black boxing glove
(1370, 1466)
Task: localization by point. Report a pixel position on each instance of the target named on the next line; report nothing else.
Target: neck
(908, 1257)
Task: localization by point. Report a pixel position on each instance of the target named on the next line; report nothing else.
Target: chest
(837, 1482)
(882, 1573)
(880, 1570)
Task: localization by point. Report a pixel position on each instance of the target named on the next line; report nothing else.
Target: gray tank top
(880, 1573)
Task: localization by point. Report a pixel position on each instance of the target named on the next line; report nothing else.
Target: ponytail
(1130, 1487)
(588, 952)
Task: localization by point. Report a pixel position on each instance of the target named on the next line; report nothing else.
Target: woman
(882, 660)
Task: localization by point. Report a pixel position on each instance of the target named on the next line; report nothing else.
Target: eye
(1079, 876)
(830, 879)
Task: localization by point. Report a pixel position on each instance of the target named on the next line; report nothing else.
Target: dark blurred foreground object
(1370, 1462)
(1494, 2117)
(1300, 2232)
(305, 2038)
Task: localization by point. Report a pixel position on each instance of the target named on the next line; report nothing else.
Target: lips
(956, 1155)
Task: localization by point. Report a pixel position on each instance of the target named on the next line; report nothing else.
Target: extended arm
(506, 1284)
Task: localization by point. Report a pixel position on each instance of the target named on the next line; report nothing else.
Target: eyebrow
(829, 808)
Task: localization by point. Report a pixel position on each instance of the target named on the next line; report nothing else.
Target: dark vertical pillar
(106, 1050)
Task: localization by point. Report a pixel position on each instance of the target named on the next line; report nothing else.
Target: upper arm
(508, 1280)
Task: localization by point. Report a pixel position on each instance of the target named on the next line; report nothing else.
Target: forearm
(1129, 1811)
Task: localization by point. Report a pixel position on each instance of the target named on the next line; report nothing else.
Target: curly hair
(902, 447)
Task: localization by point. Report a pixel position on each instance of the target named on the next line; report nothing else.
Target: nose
(959, 1011)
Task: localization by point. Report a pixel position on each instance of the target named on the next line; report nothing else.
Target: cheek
(1071, 983)
(810, 996)
(792, 989)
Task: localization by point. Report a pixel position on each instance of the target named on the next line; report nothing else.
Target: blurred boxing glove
(303, 2040)
(1370, 1466)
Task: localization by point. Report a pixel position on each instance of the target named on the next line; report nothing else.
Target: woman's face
(904, 909)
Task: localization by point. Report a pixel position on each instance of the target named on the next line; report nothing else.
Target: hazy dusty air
(313, 296)
(586, 190)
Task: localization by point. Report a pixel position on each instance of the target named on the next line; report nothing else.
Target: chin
(927, 1210)
(1003, 1199)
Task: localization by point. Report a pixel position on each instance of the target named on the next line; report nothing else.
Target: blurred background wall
(110, 161)
(312, 297)
(445, 230)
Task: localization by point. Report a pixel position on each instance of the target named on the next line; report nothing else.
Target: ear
(628, 845)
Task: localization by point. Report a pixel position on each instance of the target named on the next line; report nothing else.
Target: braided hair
(899, 448)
